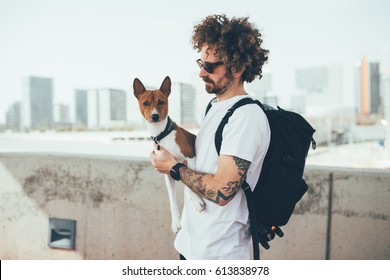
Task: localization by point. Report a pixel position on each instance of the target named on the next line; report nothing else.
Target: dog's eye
(161, 102)
(146, 103)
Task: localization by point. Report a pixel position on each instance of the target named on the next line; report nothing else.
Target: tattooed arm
(219, 188)
(222, 186)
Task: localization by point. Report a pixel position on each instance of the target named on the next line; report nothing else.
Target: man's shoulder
(251, 111)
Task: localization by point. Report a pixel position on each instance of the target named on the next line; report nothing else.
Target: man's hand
(162, 160)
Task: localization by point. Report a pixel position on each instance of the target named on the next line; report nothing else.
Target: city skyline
(100, 108)
(101, 44)
(318, 95)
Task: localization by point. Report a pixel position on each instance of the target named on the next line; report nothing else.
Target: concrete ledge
(122, 212)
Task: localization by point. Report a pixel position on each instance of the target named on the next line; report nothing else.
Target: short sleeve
(245, 132)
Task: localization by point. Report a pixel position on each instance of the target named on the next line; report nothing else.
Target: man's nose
(202, 72)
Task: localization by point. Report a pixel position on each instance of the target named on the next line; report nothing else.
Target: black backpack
(280, 185)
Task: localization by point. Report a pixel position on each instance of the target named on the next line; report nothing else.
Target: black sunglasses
(208, 66)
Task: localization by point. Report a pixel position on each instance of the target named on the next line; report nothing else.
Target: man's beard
(211, 86)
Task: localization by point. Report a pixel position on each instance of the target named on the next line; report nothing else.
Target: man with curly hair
(231, 54)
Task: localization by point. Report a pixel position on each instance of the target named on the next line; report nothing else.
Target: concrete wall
(122, 212)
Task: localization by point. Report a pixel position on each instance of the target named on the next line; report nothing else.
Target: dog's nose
(155, 117)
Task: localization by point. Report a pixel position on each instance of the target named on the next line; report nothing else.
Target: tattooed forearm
(194, 180)
(213, 190)
(220, 196)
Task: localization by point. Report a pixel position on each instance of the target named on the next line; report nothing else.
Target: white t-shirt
(222, 232)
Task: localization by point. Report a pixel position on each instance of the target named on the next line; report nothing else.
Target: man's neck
(235, 89)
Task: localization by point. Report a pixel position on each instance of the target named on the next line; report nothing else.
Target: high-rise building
(118, 108)
(375, 98)
(182, 104)
(61, 113)
(106, 108)
(81, 107)
(37, 103)
(13, 117)
(367, 87)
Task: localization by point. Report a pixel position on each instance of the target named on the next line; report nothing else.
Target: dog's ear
(166, 86)
(138, 87)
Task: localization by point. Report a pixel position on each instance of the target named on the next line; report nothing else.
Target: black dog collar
(168, 129)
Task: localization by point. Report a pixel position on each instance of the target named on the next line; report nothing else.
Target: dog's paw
(176, 225)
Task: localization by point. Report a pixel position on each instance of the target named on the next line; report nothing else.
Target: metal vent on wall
(62, 233)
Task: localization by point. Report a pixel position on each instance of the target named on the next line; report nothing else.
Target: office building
(81, 107)
(12, 117)
(37, 103)
(61, 114)
(367, 88)
(106, 108)
(182, 104)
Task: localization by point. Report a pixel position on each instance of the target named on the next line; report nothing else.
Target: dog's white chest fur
(169, 143)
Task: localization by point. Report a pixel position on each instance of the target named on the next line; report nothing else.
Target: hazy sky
(107, 43)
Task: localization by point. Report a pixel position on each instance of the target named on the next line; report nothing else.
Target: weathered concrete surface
(361, 215)
(344, 215)
(122, 212)
(120, 207)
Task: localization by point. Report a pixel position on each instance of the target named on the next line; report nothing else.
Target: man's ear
(238, 74)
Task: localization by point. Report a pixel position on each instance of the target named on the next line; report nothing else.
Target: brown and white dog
(153, 105)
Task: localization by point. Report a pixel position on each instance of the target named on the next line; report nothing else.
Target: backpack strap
(245, 186)
(209, 106)
(252, 219)
(225, 119)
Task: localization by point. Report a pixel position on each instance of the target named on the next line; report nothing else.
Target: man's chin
(209, 89)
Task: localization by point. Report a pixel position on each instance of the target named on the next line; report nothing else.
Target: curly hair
(237, 43)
